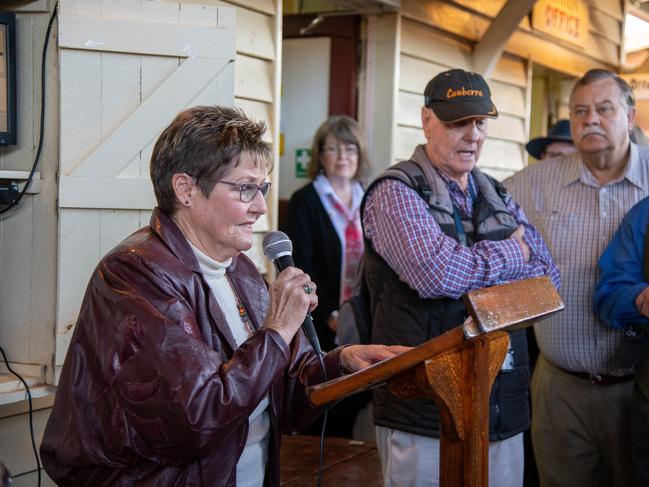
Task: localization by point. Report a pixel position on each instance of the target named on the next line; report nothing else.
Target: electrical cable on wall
(31, 413)
(15, 202)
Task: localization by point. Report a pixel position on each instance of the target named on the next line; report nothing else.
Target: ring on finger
(307, 289)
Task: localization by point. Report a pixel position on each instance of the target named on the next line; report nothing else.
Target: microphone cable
(324, 426)
(278, 248)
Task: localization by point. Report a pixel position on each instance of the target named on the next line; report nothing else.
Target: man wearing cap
(556, 144)
(580, 397)
(428, 244)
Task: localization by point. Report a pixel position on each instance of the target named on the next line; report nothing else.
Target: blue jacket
(622, 278)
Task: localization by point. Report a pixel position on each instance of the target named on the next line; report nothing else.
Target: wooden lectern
(457, 370)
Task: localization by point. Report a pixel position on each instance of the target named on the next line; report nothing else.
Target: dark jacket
(154, 390)
(400, 316)
(318, 252)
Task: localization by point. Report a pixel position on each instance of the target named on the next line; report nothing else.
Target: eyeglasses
(337, 150)
(247, 191)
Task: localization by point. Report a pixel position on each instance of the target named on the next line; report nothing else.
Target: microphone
(278, 248)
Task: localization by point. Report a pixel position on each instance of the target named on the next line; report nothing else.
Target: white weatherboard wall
(423, 54)
(28, 254)
(408, 48)
(305, 102)
(28, 233)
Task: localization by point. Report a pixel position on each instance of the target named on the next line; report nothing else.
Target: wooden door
(126, 69)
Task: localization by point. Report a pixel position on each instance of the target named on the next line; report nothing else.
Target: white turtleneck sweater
(252, 464)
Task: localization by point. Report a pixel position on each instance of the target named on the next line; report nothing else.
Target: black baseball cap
(457, 94)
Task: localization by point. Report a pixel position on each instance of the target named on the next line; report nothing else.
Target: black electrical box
(8, 98)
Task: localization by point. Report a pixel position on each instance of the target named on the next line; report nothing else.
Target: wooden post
(459, 382)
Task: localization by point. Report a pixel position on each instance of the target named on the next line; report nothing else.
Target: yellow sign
(640, 84)
(564, 19)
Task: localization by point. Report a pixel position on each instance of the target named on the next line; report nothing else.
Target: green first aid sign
(302, 160)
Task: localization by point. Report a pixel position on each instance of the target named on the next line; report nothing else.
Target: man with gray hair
(435, 228)
(580, 398)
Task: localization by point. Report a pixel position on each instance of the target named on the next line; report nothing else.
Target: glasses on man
(337, 150)
(247, 191)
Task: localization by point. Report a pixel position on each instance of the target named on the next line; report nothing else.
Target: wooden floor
(347, 463)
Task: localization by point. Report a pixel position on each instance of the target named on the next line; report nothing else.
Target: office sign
(640, 84)
(563, 19)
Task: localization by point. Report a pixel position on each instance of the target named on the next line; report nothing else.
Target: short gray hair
(595, 75)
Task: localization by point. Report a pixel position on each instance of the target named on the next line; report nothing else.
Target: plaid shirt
(577, 216)
(402, 231)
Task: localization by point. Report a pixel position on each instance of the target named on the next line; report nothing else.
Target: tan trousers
(580, 431)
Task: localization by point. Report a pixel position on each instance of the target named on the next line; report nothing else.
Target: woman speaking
(184, 367)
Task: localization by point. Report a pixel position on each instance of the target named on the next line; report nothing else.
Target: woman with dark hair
(323, 221)
(184, 367)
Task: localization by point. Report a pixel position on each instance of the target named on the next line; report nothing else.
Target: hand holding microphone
(292, 295)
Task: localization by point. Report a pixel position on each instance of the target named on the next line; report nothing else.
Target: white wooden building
(119, 70)
(429, 36)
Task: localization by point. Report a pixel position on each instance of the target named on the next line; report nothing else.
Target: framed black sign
(7, 78)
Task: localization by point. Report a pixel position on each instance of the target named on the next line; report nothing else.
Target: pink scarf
(353, 247)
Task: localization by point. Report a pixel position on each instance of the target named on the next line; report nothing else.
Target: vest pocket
(509, 402)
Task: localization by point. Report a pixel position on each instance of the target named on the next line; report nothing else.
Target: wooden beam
(378, 102)
(489, 49)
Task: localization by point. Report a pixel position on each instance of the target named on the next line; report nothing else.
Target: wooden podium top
(494, 309)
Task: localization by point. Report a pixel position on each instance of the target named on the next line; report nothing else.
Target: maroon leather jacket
(154, 390)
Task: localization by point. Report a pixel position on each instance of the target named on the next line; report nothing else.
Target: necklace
(243, 313)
